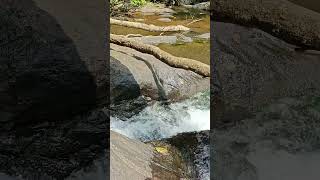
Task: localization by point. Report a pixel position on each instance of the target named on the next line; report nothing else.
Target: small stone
(167, 15)
(165, 19)
(204, 36)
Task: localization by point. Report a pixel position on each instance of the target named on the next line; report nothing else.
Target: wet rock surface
(284, 132)
(194, 147)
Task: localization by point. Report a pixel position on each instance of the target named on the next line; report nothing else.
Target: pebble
(165, 19)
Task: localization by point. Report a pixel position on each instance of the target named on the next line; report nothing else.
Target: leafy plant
(138, 2)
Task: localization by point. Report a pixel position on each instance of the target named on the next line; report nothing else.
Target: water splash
(158, 121)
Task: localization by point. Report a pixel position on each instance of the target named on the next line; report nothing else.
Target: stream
(159, 120)
(198, 21)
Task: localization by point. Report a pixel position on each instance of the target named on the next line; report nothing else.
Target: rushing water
(159, 121)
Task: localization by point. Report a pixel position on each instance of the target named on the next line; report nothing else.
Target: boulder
(155, 40)
(184, 156)
(188, 2)
(164, 19)
(279, 141)
(205, 6)
(52, 88)
(252, 68)
(135, 74)
(44, 77)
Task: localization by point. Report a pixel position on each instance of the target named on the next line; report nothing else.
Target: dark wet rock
(281, 132)
(43, 76)
(135, 74)
(195, 150)
(54, 150)
(253, 68)
(51, 94)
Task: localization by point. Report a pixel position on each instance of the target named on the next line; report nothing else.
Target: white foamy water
(158, 121)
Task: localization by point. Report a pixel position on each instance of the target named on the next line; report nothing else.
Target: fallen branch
(281, 18)
(149, 27)
(177, 62)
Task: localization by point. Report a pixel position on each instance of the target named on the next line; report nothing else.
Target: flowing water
(159, 121)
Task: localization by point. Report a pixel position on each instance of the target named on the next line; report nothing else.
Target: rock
(188, 2)
(257, 69)
(123, 152)
(184, 38)
(164, 19)
(52, 87)
(205, 6)
(155, 9)
(139, 20)
(155, 40)
(205, 36)
(270, 137)
(202, 6)
(148, 13)
(182, 154)
(195, 148)
(167, 15)
(46, 80)
(134, 74)
(98, 171)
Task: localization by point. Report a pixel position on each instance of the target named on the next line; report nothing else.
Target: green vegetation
(138, 3)
(118, 7)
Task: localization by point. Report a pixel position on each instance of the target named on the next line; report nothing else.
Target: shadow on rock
(48, 98)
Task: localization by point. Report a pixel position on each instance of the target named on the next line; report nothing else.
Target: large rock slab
(253, 68)
(51, 83)
(136, 74)
(155, 40)
(185, 155)
(43, 74)
(129, 159)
